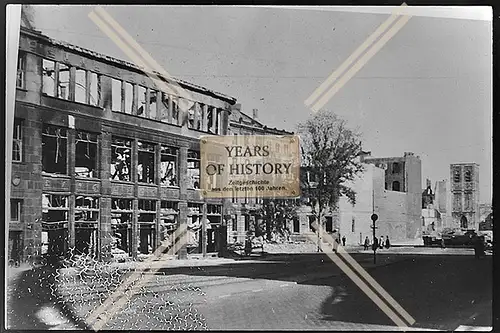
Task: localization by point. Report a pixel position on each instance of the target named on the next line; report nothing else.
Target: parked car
(459, 237)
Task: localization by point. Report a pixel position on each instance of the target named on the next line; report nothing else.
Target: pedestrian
(381, 244)
(478, 247)
(367, 243)
(343, 240)
(375, 244)
(387, 242)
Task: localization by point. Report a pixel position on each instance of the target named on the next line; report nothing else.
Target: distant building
(399, 210)
(401, 214)
(245, 214)
(464, 179)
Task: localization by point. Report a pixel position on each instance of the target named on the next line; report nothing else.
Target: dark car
(459, 237)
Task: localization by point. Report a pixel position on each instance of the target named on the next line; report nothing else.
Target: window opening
(21, 70)
(49, 77)
(81, 86)
(86, 154)
(17, 141)
(54, 149)
(146, 162)
(121, 159)
(168, 166)
(63, 88)
(193, 169)
(116, 95)
(121, 226)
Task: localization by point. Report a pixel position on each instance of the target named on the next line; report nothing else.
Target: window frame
(65, 138)
(21, 70)
(17, 140)
(125, 144)
(96, 159)
(164, 152)
(193, 156)
(18, 204)
(140, 151)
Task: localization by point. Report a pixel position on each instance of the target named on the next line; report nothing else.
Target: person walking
(387, 242)
(478, 247)
(375, 244)
(381, 244)
(367, 243)
(343, 240)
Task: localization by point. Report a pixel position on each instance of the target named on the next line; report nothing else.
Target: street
(300, 291)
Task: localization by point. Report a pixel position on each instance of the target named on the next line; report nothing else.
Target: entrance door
(15, 246)
(463, 222)
(58, 242)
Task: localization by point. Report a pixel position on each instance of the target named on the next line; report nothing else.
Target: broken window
(81, 86)
(17, 141)
(94, 89)
(121, 225)
(210, 120)
(193, 161)
(164, 107)
(54, 224)
(141, 111)
(49, 77)
(86, 154)
(121, 159)
(468, 175)
(396, 186)
(147, 219)
(15, 210)
(54, 149)
(63, 82)
(152, 104)
(129, 97)
(396, 167)
(86, 222)
(169, 212)
(146, 162)
(191, 116)
(456, 175)
(168, 166)
(175, 110)
(54, 208)
(21, 70)
(116, 95)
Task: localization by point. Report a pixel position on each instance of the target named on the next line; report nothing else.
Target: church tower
(464, 179)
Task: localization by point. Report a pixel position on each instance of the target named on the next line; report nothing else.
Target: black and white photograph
(243, 167)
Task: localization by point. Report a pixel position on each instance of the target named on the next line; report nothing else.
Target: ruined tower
(464, 179)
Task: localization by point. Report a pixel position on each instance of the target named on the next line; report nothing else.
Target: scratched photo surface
(248, 168)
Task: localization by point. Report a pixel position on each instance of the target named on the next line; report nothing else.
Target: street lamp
(374, 218)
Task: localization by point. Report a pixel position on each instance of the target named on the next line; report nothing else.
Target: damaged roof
(125, 64)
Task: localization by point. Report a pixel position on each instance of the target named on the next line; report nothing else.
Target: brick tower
(464, 178)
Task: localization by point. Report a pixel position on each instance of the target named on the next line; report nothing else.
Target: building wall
(35, 108)
(355, 221)
(465, 195)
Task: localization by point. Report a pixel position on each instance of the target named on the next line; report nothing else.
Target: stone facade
(464, 179)
(94, 138)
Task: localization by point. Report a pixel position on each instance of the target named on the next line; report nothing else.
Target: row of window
(126, 97)
(55, 157)
(457, 175)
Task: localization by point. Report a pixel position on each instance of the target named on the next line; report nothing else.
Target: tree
(330, 153)
(275, 213)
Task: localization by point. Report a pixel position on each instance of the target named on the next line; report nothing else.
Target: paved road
(303, 291)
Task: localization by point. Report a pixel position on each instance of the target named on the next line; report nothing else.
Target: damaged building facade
(104, 161)
(247, 214)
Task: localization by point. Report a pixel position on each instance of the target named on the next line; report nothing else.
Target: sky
(427, 91)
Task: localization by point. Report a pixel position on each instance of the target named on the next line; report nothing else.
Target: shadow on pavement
(438, 292)
(29, 293)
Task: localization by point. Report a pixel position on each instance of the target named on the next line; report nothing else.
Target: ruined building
(103, 161)
(464, 178)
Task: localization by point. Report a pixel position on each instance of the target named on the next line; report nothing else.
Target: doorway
(463, 222)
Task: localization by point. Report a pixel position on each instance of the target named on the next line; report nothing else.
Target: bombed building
(103, 160)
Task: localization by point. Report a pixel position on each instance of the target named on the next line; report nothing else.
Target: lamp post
(374, 218)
